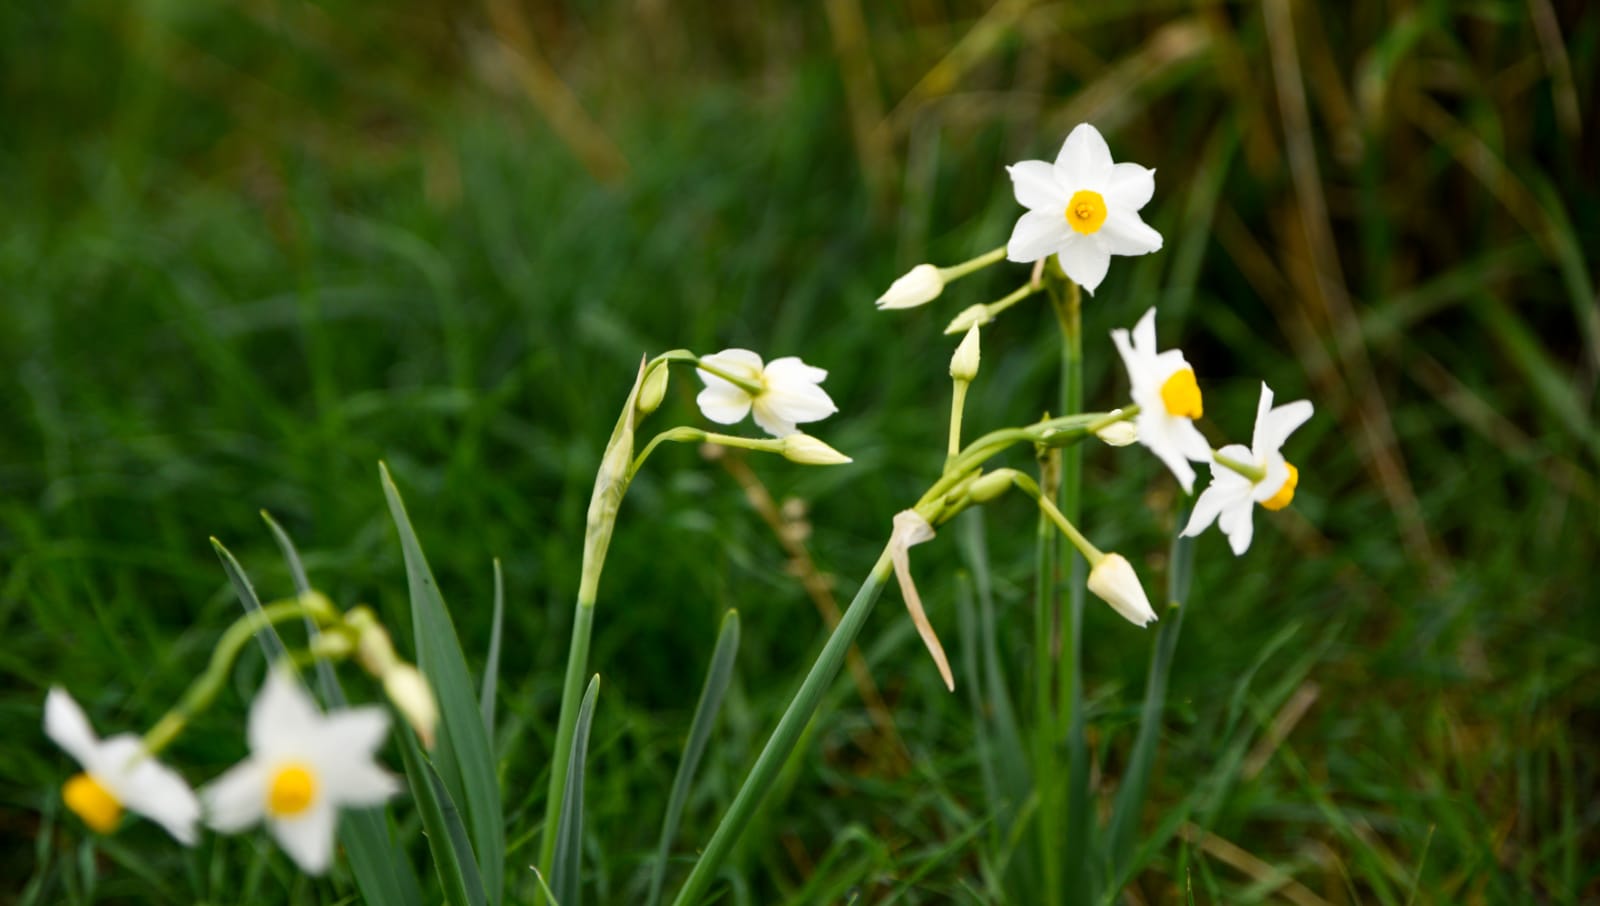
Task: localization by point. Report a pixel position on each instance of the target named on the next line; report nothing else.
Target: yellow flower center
(1086, 212)
(1286, 493)
(1181, 394)
(92, 802)
(291, 791)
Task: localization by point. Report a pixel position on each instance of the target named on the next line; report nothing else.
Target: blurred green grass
(250, 251)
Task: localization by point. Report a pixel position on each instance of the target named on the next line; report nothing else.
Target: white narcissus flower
(787, 394)
(303, 765)
(911, 529)
(1229, 499)
(1168, 397)
(918, 286)
(1114, 580)
(1083, 208)
(117, 774)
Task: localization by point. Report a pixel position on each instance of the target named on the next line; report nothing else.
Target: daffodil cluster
(304, 765)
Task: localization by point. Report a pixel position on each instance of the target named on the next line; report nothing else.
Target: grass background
(248, 251)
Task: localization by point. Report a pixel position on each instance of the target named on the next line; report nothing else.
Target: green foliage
(250, 250)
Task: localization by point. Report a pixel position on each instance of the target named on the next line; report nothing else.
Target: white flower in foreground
(1229, 499)
(911, 529)
(918, 286)
(303, 765)
(788, 393)
(1083, 208)
(1168, 397)
(117, 774)
(1114, 580)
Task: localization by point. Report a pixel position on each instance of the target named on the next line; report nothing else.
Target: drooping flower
(783, 393)
(918, 286)
(1083, 208)
(911, 529)
(1168, 397)
(117, 774)
(1115, 582)
(303, 765)
(1230, 498)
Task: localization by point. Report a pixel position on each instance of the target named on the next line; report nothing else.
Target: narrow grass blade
(271, 643)
(566, 879)
(491, 666)
(383, 874)
(441, 824)
(465, 761)
(705, 716)
(1136, 780)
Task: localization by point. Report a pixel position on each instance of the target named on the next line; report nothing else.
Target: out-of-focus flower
(303, 765)
(1228, 500)
(1083, 208)
(1168, 397)
(117, 774)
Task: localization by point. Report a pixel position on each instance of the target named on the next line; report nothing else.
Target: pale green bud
(972, 316)
(654, 389)
(920, 285)
(1119, 434)
(964, 364)
(408, 689)
(991, 485)
(807, 450)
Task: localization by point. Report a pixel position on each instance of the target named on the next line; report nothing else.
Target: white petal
(353, 732)
(1130, 186)
(797, 402)
(282, 715)
(1126, 233)
(1206, 509)
(1270, 484)
(790, 370)
(308, 839)
(1085, 262)
(68, 726)
(235, 800)
(359, 783)
(1037, 234)
(1034, 183)
(1189, 441)
(156, 791)
(1084, 159)
(1237, 523)
(1263, 406)
(1278, 424)
(735, 361)
(1154, 435)
(723, 403)
(1144, 333)
(773, 423)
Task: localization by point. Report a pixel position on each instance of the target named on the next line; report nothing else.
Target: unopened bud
(408, 689)
(920, 285)
(654, 389)
(1119, 434)
(805, 449)
(972, 316)
(964, 364)
(374, 650)
(1114, 580)
(991, 485)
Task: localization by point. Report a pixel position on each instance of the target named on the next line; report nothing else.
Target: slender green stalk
(958, 402)
(1254, 473)
(1044, 716)
(206, 686)
(957, 271)
(784, 737)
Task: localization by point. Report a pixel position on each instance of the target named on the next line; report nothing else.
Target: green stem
(1254, 473)
(205, 688)
(958, 402)
(1044, 619)
(784, 737)
(1053, 516)
(957, 271)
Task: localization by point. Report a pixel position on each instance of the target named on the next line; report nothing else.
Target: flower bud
(1113, 579)
(654, 389)
(807, 450)
(990, 486)
(1119, 434)
(920, 285)
(972, 315)
(408, 689)
(964, 364)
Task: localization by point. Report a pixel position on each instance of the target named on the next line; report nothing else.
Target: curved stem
(206, 686)
(957, 271)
